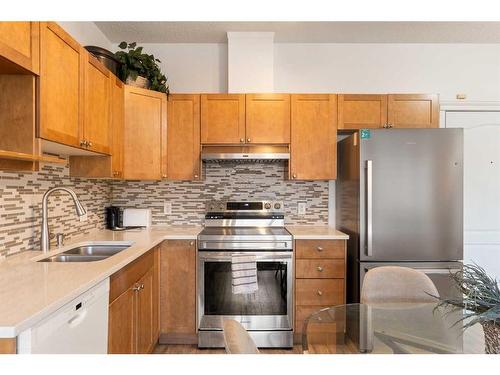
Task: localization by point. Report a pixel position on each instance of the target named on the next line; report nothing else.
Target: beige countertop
(315, 232)
(30, 291)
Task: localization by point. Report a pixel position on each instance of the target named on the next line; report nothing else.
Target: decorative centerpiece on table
(140, 69)
(481, 301)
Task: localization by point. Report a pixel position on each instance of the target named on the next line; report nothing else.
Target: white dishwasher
(79, 327)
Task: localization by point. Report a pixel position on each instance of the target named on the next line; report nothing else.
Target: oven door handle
(260, 255)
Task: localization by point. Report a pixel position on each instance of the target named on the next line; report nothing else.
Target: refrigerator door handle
(369, 208)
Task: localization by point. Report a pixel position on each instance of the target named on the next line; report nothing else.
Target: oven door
(268, 309)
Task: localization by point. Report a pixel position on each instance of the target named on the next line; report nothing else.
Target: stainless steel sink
(86, 253)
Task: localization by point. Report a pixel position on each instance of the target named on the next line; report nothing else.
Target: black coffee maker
(114, 218)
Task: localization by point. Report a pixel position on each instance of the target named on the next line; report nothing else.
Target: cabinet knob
(83, 142)
(320, 293)
(142, 286)
(195, 176)
(89, 144)
(319, 248)
(294, 176)
(163, 176)
(389, 126)
(191, 243)
(320, 269)
(136, 288)
(242, 140)
(248, 139)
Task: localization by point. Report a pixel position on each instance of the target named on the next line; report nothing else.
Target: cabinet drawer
(320, 249)
(127, 276)
(302, 312)
(317, 292)
(319, 268)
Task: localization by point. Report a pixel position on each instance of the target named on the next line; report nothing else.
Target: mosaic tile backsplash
(225, 181)
(21, 199)
(21, 206)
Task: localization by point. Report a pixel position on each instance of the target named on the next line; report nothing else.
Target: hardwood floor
(193, 349)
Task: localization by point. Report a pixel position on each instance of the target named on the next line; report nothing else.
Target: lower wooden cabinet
(134, 306)
(178, 292)
(319, 277)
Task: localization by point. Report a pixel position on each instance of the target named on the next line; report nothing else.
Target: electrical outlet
(83, 218)
(167, 208)
(301, 208)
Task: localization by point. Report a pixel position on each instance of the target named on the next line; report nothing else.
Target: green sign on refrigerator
(365, 133)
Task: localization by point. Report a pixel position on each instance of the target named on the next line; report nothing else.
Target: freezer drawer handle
(369, 208)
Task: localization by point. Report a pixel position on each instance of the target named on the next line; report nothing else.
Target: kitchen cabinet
(19, 47)
(178, 292)
(320, 267)
(222, 118)
(267, 118)
(97, 100)
(8, 346)
(314, 137)
(62, 64)
(106, 166)
(413, 111)
(360, 111)
(183, 137)
(134, 306)
(144, 147)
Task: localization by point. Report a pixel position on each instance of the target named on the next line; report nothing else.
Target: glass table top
(401, 328)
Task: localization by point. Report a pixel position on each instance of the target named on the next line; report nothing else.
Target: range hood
(254, 153)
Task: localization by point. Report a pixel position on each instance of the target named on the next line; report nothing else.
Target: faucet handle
(60, 239)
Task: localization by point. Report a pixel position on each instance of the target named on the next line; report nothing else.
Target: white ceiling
(306, 32)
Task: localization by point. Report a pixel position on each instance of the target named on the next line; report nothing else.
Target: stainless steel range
(251, 228)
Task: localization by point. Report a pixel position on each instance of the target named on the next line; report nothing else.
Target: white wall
(446, 69)
(86, 33)
(191, 67)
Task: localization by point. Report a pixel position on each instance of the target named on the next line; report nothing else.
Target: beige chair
(236, 339)
(390, 284)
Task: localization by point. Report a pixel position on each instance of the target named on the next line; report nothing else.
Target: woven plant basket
(141, 82)
(491, 337)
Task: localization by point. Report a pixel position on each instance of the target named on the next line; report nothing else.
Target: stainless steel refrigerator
(399, 196)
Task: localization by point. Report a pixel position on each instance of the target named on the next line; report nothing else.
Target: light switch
(301, 208)
(167, 208)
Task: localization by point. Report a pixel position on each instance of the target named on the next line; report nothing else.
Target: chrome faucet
(80, 211)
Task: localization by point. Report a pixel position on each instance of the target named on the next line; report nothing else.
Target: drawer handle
(319, 248)
(320, 293)
(136, 288)
(320, 269)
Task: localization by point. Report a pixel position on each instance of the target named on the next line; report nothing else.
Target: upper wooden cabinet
(19, 47)
(62, 65)
(362, 111)
(117, 126)
(413, 110)
(222, 118)
(314, 137)
(268, 118)
(97, 99)
(145, 134)
(183, 137)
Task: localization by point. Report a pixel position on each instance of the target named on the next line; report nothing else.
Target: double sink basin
(87, 253)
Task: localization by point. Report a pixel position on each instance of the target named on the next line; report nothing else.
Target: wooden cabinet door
(222, 118)
(268, 118)
(61, 86)
(145, 119)
(359, 111)
(183, 137)
(145, 314)
(178, 288)
(117, 126)
(122, 324)
(314, 137)
(97, 105)
(413, 110)
(20, 44)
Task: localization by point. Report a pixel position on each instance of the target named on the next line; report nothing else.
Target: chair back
(236, 339)
(392, 284)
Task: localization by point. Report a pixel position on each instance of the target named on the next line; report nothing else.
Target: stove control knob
(267, 205)
(277, 206)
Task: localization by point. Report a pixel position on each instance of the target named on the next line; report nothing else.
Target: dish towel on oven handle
(244, 273)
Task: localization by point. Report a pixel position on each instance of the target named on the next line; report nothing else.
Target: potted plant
(481, 301)
(140, 69)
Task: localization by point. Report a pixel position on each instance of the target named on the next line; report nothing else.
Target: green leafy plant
(135, 63)
(481, 295)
